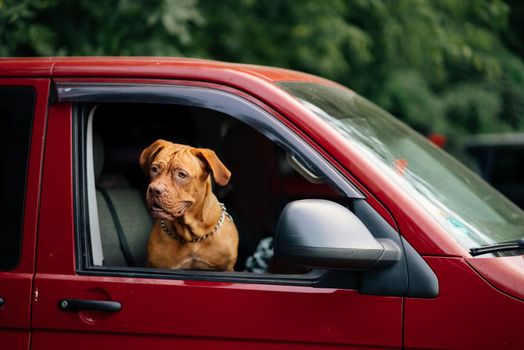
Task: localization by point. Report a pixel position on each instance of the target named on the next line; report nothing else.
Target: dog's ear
(148, 155)
(220, 173)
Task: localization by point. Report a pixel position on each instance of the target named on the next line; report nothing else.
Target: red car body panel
(55, 243)
(505, 273)
(469, 313)
(469, 287)
(218, 310)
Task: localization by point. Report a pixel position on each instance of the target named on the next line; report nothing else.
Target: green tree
(443, 66)
(439, 65)
(87, 27)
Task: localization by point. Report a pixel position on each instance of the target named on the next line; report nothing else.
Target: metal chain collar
(219, 224)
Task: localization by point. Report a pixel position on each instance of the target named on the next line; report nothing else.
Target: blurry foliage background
(447, 66)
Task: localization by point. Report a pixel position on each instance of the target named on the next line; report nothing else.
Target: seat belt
(124, 246)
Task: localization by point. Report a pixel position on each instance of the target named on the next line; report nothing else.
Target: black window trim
(85, 95)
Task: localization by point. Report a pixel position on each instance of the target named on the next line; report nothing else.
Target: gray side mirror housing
(324, 234)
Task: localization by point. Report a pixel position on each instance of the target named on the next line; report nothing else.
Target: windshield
(469, 209)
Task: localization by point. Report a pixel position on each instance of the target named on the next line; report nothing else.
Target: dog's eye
(181, 174)
(154, 169)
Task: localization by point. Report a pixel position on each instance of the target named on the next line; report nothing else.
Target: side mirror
(324, 234)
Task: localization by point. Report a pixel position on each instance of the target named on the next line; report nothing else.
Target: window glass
(16, 115)
(261, 184)
(470, 210)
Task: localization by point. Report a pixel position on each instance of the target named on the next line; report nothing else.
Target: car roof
(144, 67)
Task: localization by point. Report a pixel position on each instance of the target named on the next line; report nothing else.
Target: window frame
(84, 95)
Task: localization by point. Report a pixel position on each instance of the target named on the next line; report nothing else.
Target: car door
(83, 303)
(22, 120)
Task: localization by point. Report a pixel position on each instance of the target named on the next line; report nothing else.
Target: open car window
(261, 154)
(262, 182)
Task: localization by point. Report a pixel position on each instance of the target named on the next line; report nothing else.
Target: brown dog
(192, 230)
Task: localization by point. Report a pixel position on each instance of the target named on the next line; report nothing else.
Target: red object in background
(479, 305)
(438, 140)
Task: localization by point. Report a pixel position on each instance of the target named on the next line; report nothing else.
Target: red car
(354, 231)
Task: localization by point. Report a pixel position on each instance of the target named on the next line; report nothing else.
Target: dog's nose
(156, 190)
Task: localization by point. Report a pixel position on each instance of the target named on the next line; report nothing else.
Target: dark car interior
(262, 181)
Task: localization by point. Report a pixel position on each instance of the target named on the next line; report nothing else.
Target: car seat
(124, 220)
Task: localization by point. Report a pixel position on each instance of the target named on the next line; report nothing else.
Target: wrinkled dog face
(178, 176)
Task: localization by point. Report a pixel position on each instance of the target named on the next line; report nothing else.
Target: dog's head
(179, 177)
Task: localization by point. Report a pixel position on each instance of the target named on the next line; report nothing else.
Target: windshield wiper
(500, 247)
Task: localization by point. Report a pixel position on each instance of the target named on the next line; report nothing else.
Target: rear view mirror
(324, 234)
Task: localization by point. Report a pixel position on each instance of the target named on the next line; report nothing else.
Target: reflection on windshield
(469, 209)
